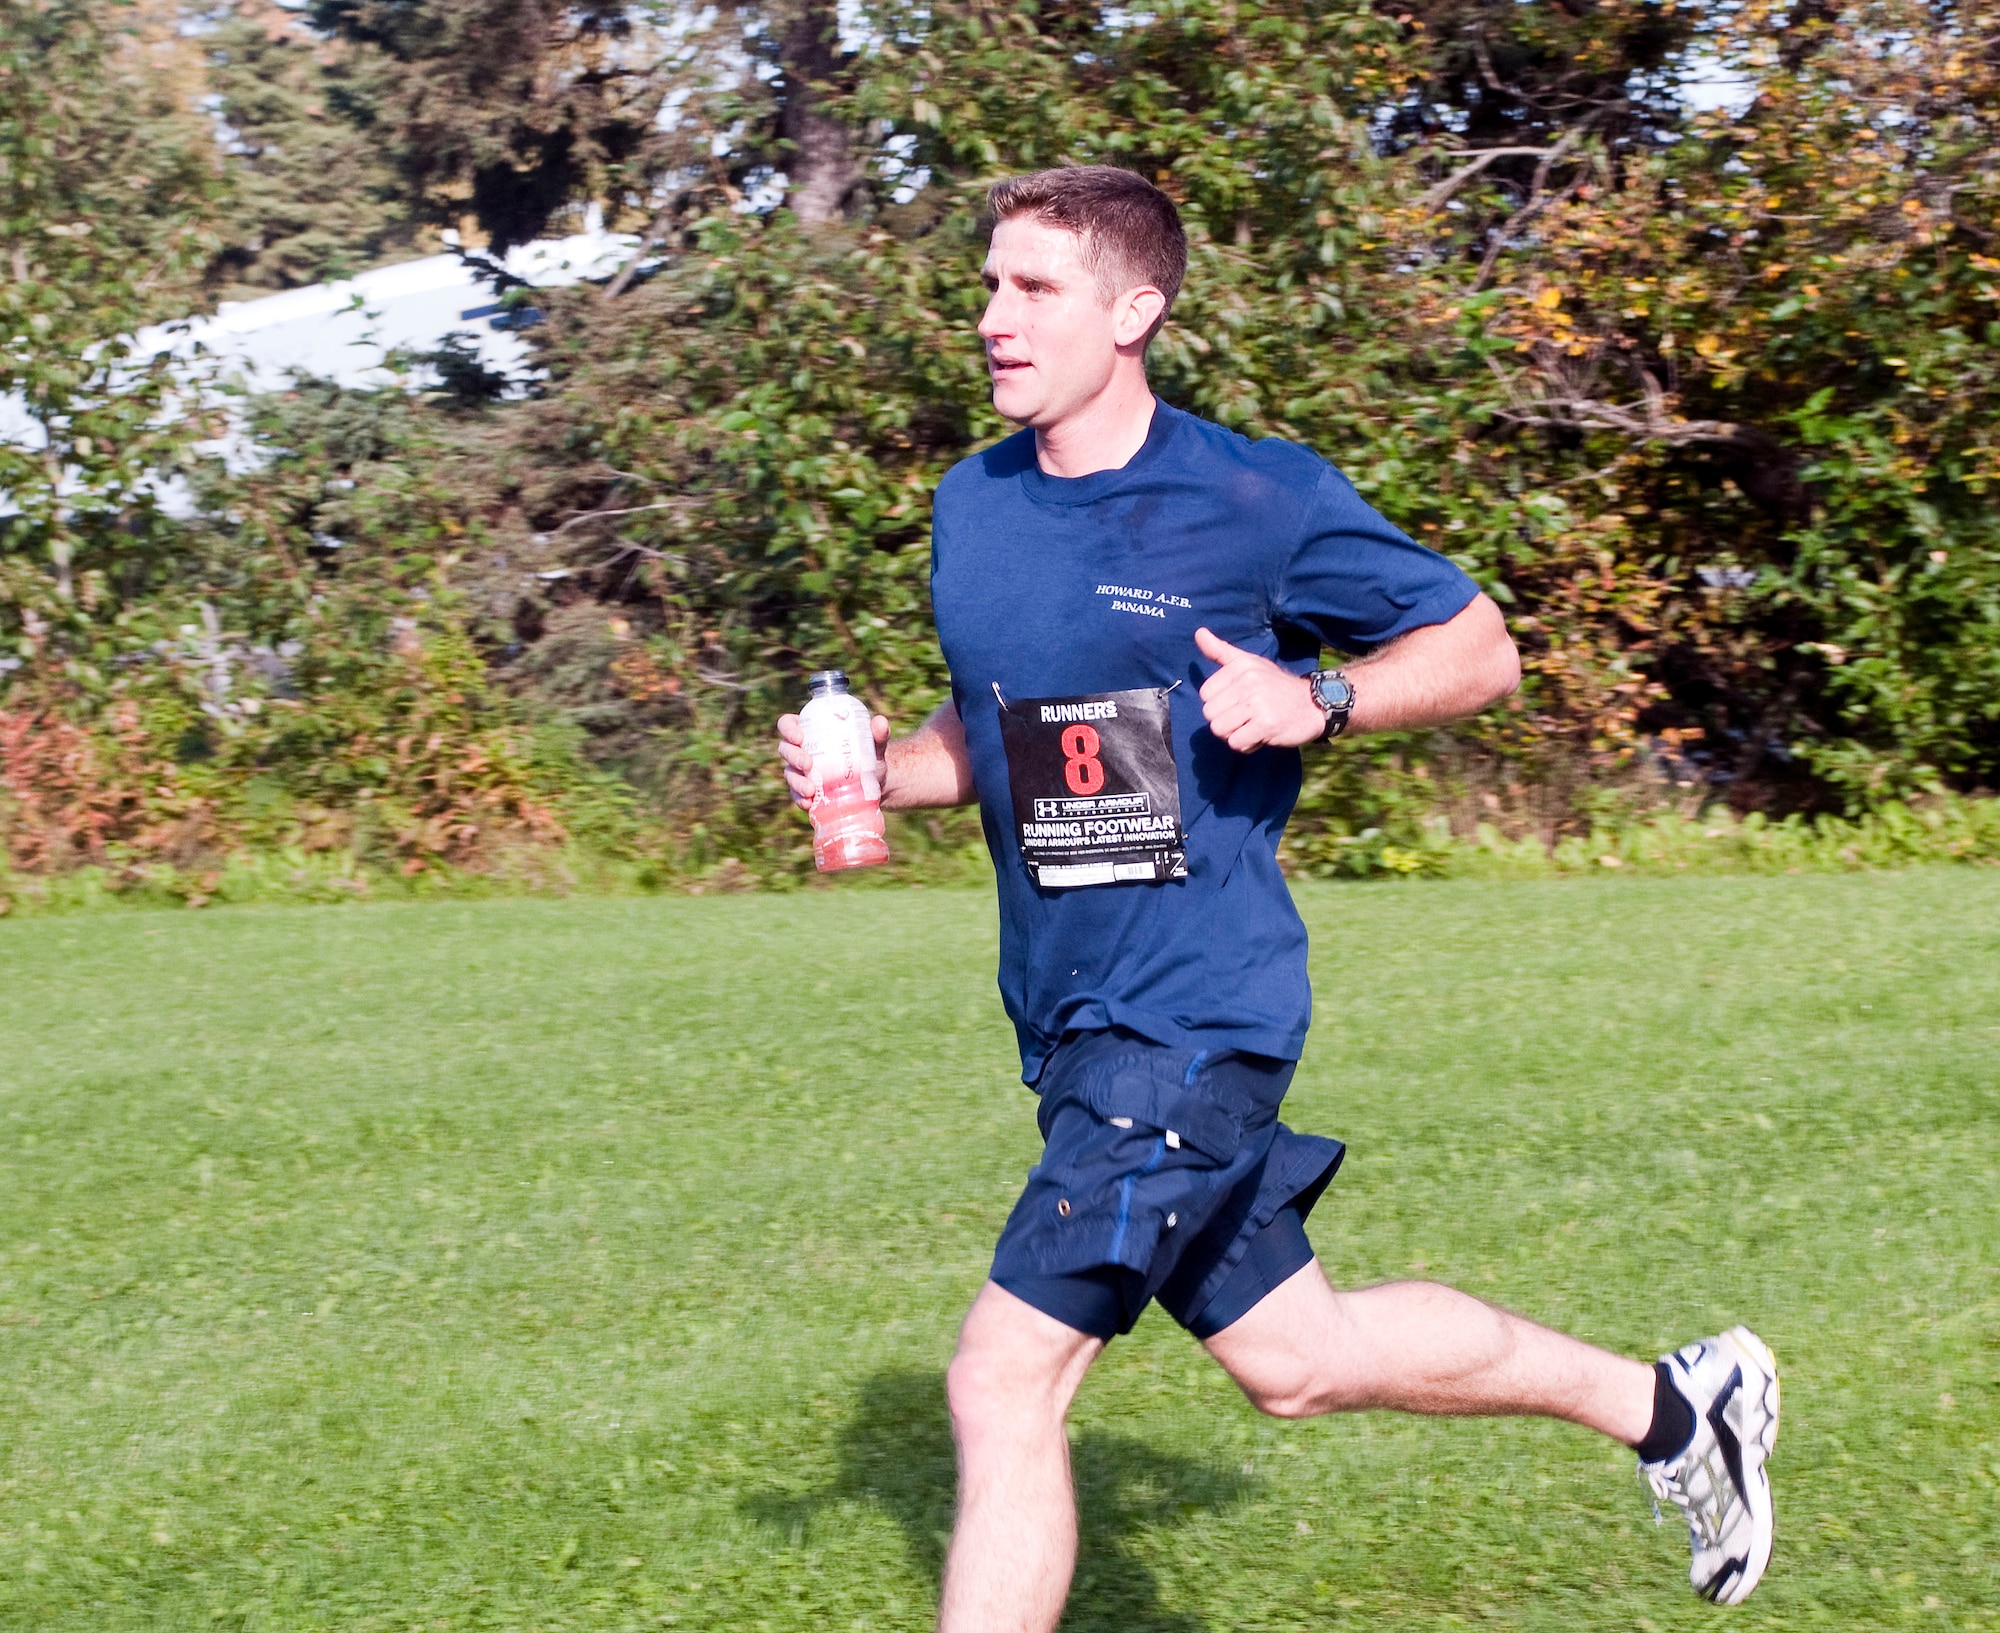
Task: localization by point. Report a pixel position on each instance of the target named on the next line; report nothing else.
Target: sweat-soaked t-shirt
(1136, 851)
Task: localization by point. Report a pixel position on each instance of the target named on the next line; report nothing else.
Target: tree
(821, 169)
(1698, 386)
(504, 113)
(1766, 346)
(500, 115)
(1493, 259)
(107, 194)
(311, 196)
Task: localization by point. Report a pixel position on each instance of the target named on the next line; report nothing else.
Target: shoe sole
(1756, 1353)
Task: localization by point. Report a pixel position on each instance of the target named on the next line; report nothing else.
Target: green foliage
(324, 694)
(509, 112)
(1702, 398)
(1418, 844)
(1592, 370)
(1779, 333)
(106, 185)
(311, 196)
(741, 465)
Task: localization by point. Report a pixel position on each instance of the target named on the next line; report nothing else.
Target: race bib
(1096, 797)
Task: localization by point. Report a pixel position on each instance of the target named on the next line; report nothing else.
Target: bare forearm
(1436, 674)
(930, 767)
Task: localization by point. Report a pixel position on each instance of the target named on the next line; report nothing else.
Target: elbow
(1503, 658)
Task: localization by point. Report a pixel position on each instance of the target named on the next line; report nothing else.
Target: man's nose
(993, 321)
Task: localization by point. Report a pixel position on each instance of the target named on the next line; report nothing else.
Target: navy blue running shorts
(1165, 1174)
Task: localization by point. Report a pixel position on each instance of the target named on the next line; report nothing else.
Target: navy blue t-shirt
(1052, 587)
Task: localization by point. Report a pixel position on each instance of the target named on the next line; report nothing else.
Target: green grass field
(594, 1264)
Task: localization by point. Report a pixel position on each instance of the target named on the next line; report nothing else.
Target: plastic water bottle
(846, 804)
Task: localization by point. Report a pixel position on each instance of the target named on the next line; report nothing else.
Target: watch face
(1333, 690)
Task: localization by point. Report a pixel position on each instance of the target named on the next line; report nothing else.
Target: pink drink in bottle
(846, 804)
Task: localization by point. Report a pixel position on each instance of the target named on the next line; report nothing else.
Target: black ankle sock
(1673, 1420)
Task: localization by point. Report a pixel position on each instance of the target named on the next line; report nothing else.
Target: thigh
(1008, 1347)
(1277, 1347)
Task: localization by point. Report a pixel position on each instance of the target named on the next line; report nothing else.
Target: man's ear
(1136, 313)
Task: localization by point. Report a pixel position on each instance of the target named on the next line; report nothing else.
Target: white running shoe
(1718, 1483)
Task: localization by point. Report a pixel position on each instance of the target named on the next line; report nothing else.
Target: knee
(1292, 1379)
(1288, 1402)
(987, 1396)
(1286, 1389)
(1015, 1370)
(969, 1387)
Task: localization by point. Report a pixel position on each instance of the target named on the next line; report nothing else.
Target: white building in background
(345, 331)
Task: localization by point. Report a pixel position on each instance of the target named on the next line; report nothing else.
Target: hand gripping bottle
(846, 804)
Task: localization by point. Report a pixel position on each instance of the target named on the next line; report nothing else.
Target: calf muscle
(1422, 1347)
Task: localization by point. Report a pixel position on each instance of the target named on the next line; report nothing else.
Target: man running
(1132, 603)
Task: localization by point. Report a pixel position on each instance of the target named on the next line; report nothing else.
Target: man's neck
(1103, 435)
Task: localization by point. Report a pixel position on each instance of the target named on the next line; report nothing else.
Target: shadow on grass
(896, 1455)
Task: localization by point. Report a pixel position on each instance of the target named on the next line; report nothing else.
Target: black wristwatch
(1334, 693)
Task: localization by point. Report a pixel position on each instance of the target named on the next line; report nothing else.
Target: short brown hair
(1130, 230)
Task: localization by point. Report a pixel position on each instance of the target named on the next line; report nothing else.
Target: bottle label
(1097, 797)
(842, 747)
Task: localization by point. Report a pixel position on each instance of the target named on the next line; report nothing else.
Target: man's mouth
(1005, 365)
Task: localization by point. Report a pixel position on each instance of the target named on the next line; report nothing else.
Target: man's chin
(1012, 403)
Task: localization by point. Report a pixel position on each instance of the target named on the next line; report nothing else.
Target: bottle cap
(827, 682)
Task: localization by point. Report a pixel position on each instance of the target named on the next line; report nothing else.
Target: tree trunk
(820, 167)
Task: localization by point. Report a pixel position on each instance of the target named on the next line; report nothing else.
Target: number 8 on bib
(1097, 798)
